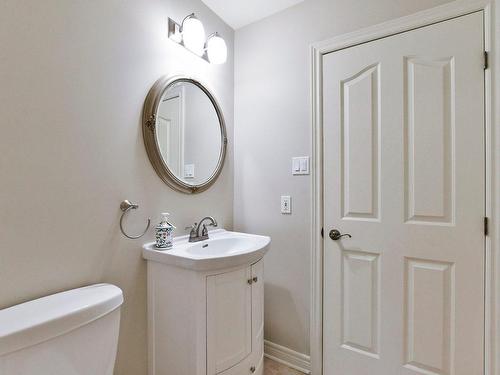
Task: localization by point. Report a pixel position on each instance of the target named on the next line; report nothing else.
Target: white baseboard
(288, 357)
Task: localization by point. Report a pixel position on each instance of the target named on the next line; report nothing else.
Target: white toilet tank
(69, 333)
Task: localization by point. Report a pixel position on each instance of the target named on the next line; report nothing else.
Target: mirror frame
(150, 109)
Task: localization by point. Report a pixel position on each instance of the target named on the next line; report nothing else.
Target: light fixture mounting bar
(175, 34)
(174, 29)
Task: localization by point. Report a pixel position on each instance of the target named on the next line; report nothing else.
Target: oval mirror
(184, 133)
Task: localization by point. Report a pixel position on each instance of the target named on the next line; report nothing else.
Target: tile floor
(274, 368)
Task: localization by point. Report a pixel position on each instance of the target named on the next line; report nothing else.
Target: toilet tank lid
(39, 320)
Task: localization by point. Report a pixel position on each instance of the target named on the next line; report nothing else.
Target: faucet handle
(192, 228)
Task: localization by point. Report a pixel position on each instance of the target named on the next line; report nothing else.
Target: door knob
(336, 235)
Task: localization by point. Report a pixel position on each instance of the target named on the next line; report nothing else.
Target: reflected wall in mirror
(184, 133)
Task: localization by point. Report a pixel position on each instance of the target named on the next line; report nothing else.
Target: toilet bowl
(69, 333)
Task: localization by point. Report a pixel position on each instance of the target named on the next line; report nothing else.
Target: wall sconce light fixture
(191, 34)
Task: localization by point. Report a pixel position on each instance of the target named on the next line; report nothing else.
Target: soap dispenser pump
(164, 233)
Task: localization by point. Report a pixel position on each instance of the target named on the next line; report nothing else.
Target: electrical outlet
(286, 204)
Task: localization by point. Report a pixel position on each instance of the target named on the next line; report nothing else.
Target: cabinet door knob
(250, 281)
(252, 369)
(255, 279)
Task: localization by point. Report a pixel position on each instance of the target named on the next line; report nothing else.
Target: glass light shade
(193, 35)
(216, 50)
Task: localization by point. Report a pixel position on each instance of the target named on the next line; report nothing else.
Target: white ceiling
(238, 13)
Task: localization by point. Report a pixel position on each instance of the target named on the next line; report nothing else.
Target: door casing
(492, 147)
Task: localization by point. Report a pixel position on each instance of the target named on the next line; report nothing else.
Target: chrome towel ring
(125, 206)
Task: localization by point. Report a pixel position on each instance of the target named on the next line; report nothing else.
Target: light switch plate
(286, 204)
(189, 171)
(300, 165)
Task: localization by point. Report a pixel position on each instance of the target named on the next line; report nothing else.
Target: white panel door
(229, 319)
(170, 130)
(404, 175)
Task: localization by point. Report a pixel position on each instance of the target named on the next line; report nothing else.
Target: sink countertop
(223, 249)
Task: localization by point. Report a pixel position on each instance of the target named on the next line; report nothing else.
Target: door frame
(492, 149)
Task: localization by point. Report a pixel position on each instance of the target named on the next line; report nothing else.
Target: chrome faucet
(194, 234)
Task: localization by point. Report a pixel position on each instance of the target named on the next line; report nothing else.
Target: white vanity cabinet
(205, 322)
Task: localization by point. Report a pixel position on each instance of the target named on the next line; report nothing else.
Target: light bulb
(216, 49)
(193, 35)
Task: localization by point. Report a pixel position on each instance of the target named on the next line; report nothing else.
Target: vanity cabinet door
(253, 365)
(258, 308)
(229, 319)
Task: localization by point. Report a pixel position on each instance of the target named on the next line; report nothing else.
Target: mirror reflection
(188, 133)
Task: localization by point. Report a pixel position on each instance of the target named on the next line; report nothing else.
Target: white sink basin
(222, 250)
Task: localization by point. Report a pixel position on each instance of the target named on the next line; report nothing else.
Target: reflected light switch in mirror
(189, 171)
(300, 165)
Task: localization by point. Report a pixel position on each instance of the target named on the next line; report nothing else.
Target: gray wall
(272, 117)
(73, 78)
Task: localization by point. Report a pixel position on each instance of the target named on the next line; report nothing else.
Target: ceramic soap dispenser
(164, 233)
